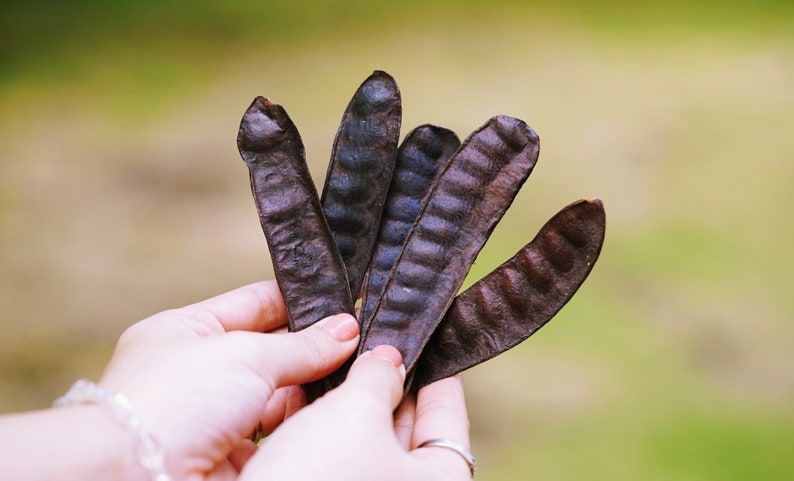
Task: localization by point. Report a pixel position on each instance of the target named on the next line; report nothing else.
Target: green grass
(703, 445)
(135, 56)
(682, 250)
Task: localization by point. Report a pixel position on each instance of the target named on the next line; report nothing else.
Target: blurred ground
(121, 194)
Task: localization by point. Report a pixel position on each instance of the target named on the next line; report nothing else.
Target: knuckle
(315, 349)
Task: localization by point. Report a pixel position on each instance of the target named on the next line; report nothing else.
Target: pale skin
(202, 377)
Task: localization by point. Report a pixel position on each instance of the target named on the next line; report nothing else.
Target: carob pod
(422, 155)
(307, 264)
(461, 210)
(362, 161)
(519, 297)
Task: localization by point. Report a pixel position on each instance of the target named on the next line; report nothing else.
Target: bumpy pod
(519, 297)
(461, 210)
(307, 264)
(421, 156)
(362, 161)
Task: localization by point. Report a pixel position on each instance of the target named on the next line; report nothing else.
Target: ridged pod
(461, 210)
(362, 161)
(519, 297)
(421, 156)
(307, 264)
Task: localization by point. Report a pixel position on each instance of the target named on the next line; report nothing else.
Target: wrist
(118, 408)
(105, 437)
(71, 443)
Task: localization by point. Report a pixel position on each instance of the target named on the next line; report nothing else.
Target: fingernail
(388, 353)
(343, 327)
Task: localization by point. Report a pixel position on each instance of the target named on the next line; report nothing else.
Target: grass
(141, 54)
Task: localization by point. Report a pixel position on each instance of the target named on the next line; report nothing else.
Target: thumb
(299, 357)
(377, 375)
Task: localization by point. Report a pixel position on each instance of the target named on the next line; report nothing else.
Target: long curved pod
(464, 205)
(361, 166)
(519, 297)
(420, 158)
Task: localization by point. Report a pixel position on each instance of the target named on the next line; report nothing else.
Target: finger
(284, 402)
(274, 410)
(223, 471)
(441, 412)
(300, 357)
(404, 420)
(241, 454)
(296, 400)
(256, 307)
(377, 376)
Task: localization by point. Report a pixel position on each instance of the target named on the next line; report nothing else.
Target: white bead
(150, 454)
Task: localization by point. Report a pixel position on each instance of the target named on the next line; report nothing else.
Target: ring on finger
(453, 446)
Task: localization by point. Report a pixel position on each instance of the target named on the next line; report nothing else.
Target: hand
(352, 433)
(202, 377)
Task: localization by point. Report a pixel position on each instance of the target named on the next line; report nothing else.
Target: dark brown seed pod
(519, 297)
(307, 264)
(421, 156)
(464, 205)
(362, 161)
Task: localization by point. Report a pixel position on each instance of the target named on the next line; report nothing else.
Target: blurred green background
(122, 194)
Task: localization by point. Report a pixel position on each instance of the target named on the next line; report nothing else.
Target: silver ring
(445, 443)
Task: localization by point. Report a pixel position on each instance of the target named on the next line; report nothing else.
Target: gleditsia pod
(420, 157)
(422, 154)
(307, 264)
(519, 297)
(461, 210)
(362, 161)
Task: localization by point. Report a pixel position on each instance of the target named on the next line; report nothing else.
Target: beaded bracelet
(148, 451)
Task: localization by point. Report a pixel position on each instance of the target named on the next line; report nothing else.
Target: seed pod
(419, 160)
(361, 167)
(519, 297)
(307, 264)
(464, 205)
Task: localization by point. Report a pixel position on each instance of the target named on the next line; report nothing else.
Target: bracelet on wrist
(149, 453)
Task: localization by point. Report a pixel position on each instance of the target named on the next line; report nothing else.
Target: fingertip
(379, 371)
(388, 353)
(343, 327)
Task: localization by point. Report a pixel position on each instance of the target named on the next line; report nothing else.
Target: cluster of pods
(401, 226)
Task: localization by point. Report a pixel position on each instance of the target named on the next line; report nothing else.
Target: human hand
(202, 377)
(352, 433)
